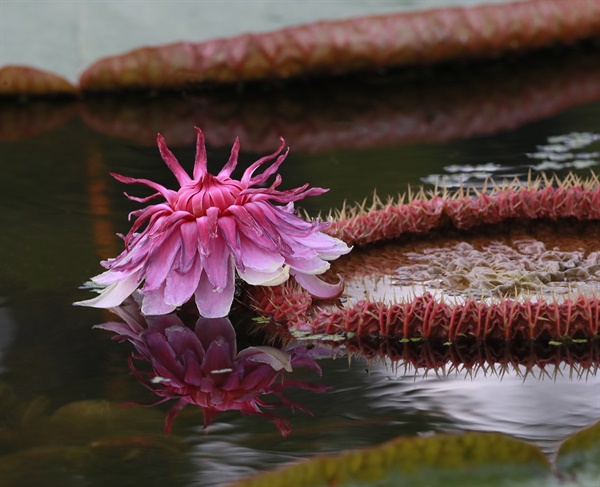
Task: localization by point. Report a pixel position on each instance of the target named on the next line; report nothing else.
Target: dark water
(61, 209)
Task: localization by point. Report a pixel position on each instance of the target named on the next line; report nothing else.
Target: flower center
(209, 192)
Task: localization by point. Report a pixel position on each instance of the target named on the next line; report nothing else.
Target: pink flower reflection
(202, 366)
(193, 242)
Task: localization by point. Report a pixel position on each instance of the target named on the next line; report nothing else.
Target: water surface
(60, 212)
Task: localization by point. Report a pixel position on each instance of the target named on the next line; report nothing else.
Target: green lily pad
(91, 420)
(471, 459)
(49, 466)
(578, 457)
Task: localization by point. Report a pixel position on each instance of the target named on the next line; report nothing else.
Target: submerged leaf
(471, 459)
(578, 455)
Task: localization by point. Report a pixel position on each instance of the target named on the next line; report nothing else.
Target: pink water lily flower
(192, 244)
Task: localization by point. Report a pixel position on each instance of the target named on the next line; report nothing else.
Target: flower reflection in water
(201, 365)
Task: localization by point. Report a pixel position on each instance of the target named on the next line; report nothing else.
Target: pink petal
(327, 247)
(212, 217)
(313, 265)
(217, 357)
(317, 287)
(264, 241)
(112, 276)
(166, 193)
(182, 339)
(245, 219)
(189, 247)
(247, 180)
(200, 164)
(161, 261)
(216, 263)
(172, 163)
(232, 162)
(257, 257)
(154, 302)
(212, 304)
(150, 215)
(172, 414)
(267, 173)
(230, 234)
(164, 359)
(203, 234)
(208, 329)
(193, 369)
(181, 286)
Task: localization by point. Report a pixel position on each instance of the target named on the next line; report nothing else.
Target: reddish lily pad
(457, 291)
(23, 80)
(367, 43)
(541, 85)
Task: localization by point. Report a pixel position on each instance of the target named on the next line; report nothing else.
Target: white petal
(278, 359)
(114, 294)
(259, 278)
(317, 287)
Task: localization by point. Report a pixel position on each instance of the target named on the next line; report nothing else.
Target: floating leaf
(578, 455)
(93, 420)
(47, 466)
(471, 459)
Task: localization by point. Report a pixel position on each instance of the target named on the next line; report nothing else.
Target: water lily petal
(259, 278)
(277, 359)
(160, 263)
(189, 244)
(232, 162)
(245, 219)
(154, 303)
(114, 294)
(180, 287)
(247, 179)
(216, 263)
(162, 355)
(327, 247)
(200, 164)
(193, 369)
(313, 265)
(213, 304)
(180, 338)
(257, 257)
(172, 162)
(209, 329)
(230, 234)
(168, 194)
(317, 287)
(216, 358)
